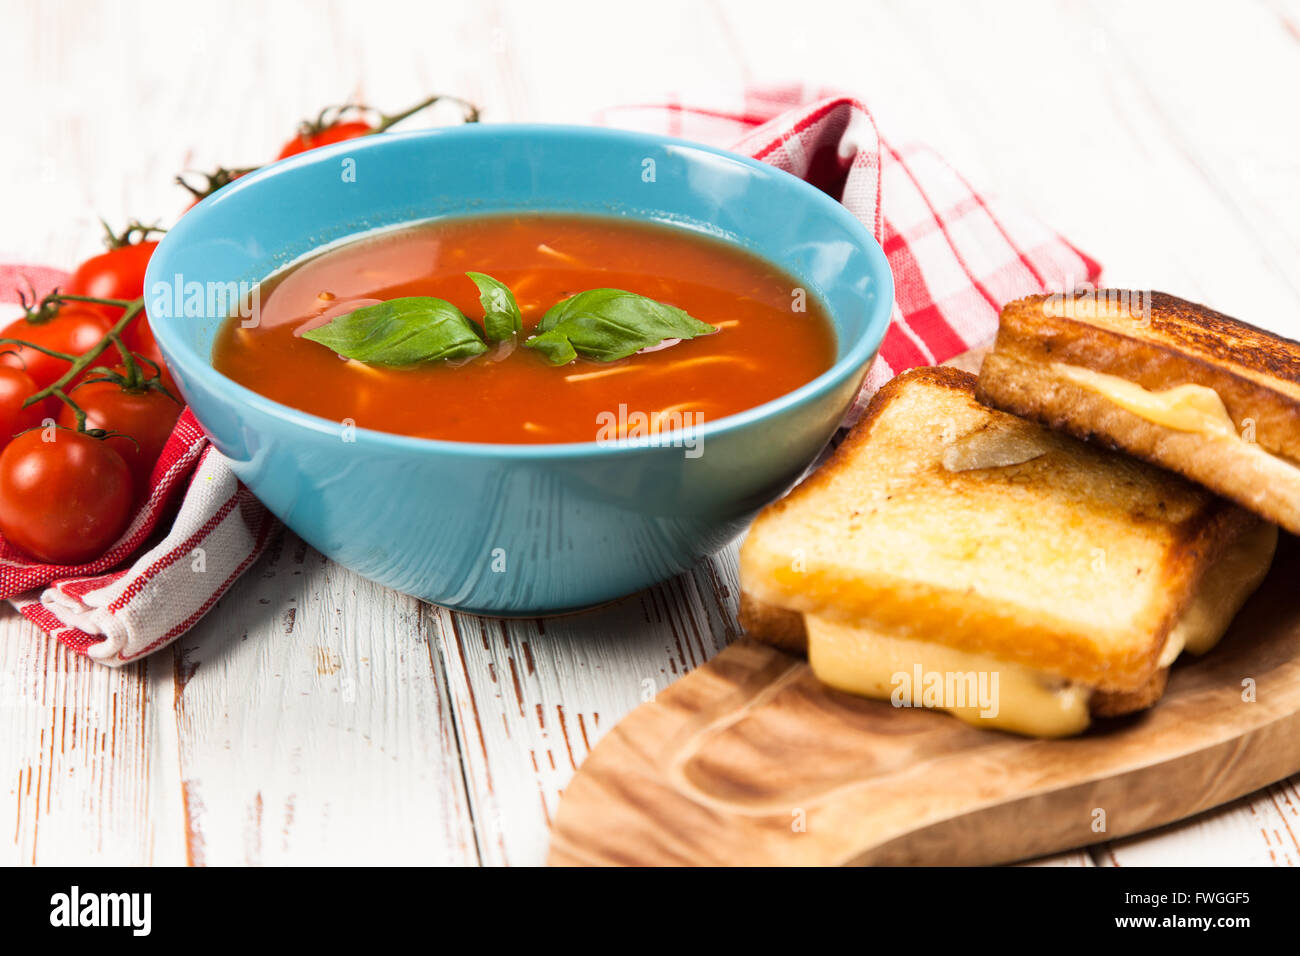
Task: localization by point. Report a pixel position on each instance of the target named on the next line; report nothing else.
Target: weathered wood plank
(533, 697)
(85, 766)
(313, 726)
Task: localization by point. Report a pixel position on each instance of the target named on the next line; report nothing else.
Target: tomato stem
(132, 377)
(80, 363)
(326, 118)
(61, 297)
(134, 228)
(331, 115)
(39, 348)
(43, 310)
(214, 180)
(386, 122)
(62, 396)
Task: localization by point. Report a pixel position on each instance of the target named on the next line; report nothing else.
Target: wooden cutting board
(749, 760)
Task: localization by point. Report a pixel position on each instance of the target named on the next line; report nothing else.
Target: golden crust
(1190, 528)
(1018, 377)
(943, 376)
(1117, 703)
(773, 625)
(1171, 342)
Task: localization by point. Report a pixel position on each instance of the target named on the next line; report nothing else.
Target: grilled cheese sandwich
(1171, 382)
(868, 568)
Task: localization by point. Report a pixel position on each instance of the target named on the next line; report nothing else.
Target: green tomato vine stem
(79, 363)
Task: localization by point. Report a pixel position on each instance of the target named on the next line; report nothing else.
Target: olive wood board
(750, 760)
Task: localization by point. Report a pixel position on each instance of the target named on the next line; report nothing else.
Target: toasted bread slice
(773, 625)
(945, 521)
(1141, 372)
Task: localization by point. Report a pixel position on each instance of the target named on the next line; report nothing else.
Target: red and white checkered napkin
(956, 255)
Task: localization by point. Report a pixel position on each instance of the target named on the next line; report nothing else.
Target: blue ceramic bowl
(514, 529)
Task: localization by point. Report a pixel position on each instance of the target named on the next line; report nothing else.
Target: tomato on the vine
(115, 274)
(16, 386)
(119, 274)
(142, 419)
(63, 500)
(73, 329)
(336, 132)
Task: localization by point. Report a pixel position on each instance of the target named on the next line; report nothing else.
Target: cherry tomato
(118, 274)
(145, 415)
(16, 386)
(73, 330)
(333, 133)
(115, 274)
(63, 501)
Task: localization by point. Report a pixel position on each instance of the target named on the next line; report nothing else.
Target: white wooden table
(314, 717)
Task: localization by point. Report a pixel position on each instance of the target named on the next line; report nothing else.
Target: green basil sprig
(603, 325)
(610, 324)
(402, 332)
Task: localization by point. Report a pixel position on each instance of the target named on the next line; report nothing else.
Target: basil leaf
(610, 324)
(402, 332)
(502, 317)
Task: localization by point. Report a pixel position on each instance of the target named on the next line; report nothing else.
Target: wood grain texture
(330, 737)
(750, 760)
(550, 689)
(1176, 178)
(84, 756)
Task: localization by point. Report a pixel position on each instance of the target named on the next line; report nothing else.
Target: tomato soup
(771, 338)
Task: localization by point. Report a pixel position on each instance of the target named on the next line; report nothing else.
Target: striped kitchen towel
(956, 254)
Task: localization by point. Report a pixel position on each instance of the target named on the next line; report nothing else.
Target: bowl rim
(852, 362)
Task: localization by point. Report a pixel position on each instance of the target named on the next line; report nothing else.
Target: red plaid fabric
(17, 281)
(956, 256)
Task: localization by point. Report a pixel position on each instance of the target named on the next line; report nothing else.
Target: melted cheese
(1185, 408)
(1223, 591)
(984, 691)
(976, 688)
